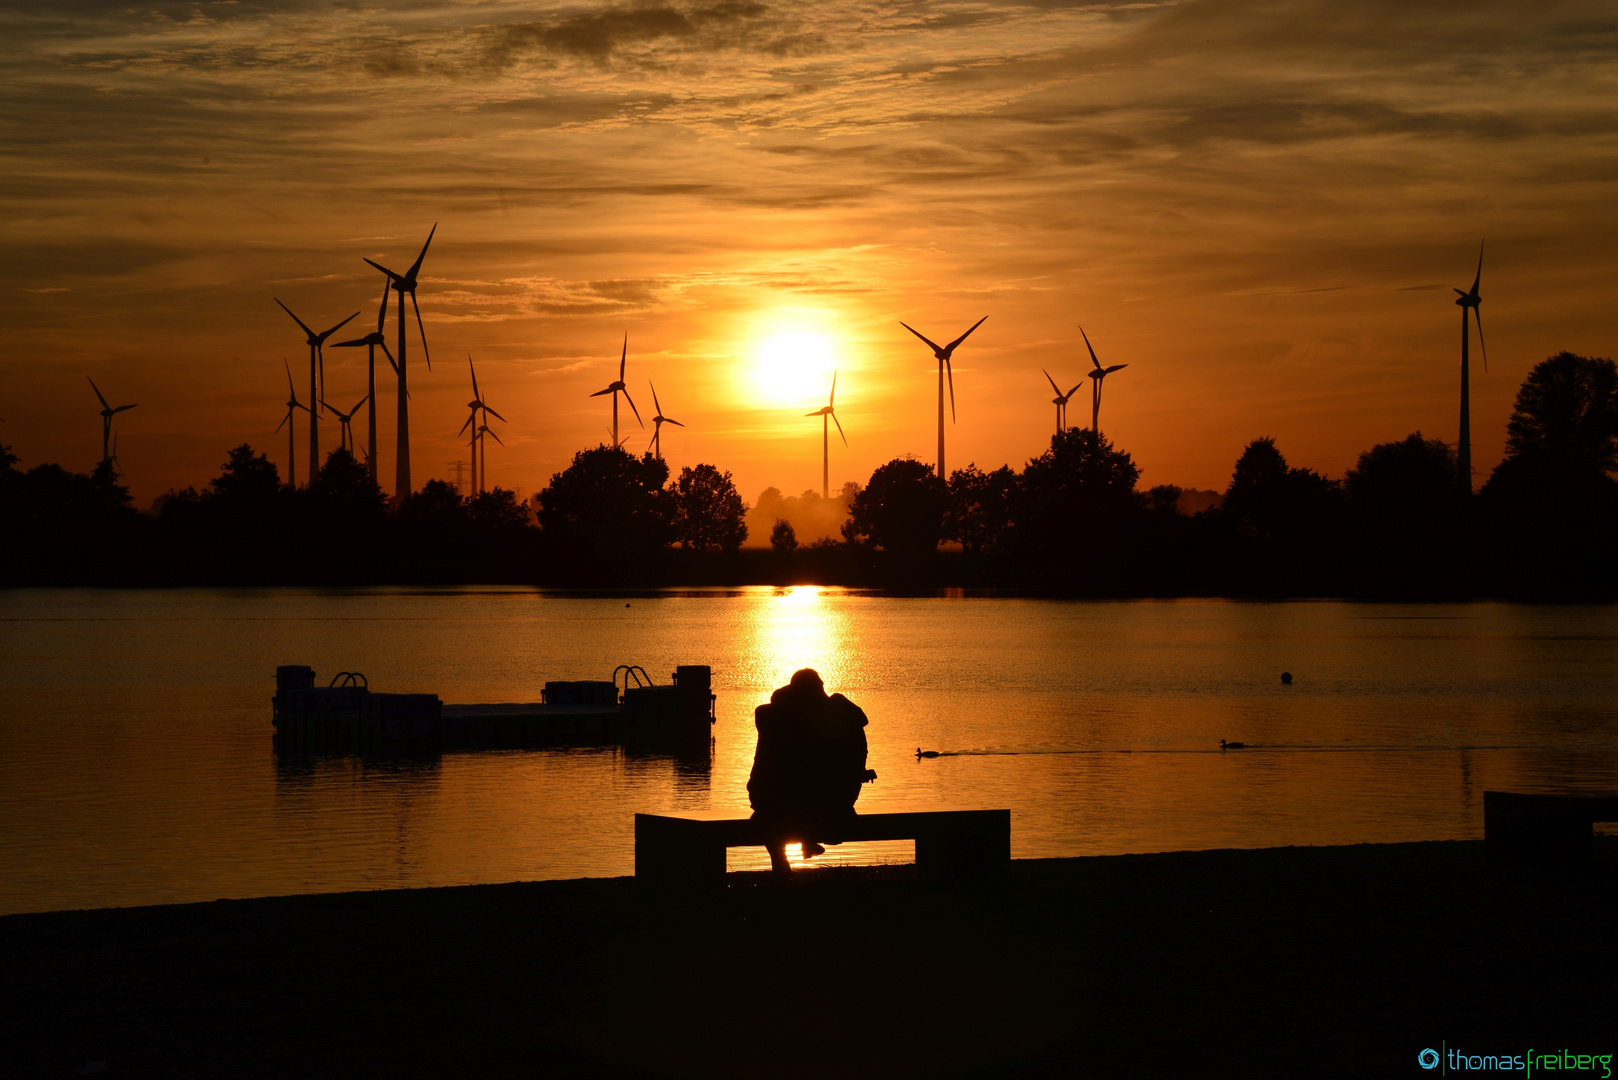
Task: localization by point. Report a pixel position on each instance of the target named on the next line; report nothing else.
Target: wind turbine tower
(615, 388)
(406, 283)
(293, 404)
(657, 423)
(943, 354)
(373, 339)
(1463, 450)
(107, 413)
(317, 393)
(1097, 375)
(830, 411)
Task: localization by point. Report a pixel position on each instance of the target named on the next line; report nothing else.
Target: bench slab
(1521, 827)
(691, 846)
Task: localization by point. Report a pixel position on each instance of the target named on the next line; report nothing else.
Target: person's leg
(778, 856)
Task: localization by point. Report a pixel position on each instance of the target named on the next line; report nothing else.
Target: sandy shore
(1285, 962)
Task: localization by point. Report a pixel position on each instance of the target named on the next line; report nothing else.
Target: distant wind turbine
(117, 470)
(372, 340)
(1463, 451)
(1060, 401)
(107, 413)
(317, 355)
(475, 405)
(1097, 374)
(615, 388)
(293, 404)
(943, 354)
(830, 411)
(406, 283)
(346, 435)
(657, 423)
(483, 447)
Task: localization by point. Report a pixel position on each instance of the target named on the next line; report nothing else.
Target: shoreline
(1234, 962)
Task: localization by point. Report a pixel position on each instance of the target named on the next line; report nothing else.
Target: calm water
(136, 764)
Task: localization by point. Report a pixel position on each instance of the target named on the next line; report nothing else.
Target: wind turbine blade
(631, 401)
(839, 424)
(474, 371)
(290, 390)
(951, 346)
(497, 416)
(656, 405)
(487, 430)
(468, 424)
(1070, 392)
(1091, 347)
(415, 267)
(817, 412)
(357, 405)
(295, 319)
(391, 361)
(121, 408)
(676, 423)
(351, 344)
(1052, 381)
(919, 334)
(392, 277)
(329, 409)
(950, 372)
(382, 312)
(598, 393)
(338, 327)
(97, 389)
(1458, 292)
(1115, 367)
(623, 358)
(284, 420)
(419, 326)
(1483, 347)
(1479, 276)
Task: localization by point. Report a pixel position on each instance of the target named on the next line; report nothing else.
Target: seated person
(808, 767)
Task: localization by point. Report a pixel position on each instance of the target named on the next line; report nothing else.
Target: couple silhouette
(808, 767)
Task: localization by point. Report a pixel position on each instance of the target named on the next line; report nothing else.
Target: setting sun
(792, 367)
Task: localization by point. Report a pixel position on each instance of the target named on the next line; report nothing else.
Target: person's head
(807, 681)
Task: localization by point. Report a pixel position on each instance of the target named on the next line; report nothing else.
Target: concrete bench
(1544, 828)
(691, 846)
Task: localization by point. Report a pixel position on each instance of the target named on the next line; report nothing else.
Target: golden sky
(1261, 207)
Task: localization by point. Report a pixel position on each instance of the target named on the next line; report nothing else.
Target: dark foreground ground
(1294, 962)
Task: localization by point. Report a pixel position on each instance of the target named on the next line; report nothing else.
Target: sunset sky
(1261, 208)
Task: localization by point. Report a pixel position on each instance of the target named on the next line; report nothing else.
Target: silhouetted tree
(783, 537)
(1291, 519)
(708, 511)
(607, 511)
(979, 512)
(497, 511)
(900, 511)
(247, 479)
(1406, 520)
(1077, 514)
(1552, 501)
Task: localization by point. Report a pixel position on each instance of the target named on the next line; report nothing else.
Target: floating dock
(348, 713)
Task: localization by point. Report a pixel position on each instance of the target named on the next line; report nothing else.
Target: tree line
(1072, 521)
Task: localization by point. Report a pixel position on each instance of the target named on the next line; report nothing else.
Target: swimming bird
(1223, 745)
(920, 753)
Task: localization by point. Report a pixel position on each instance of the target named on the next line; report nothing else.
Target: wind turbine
(293, 404)
(317, 352)
(372, 340)
(944, 368)
(107, 413)
(346, 435)
(483, 447)
(825, 434)
(614, 388)
(1097, 374)
(657, 423)
(472, 421)
(1463, 452)
(117, 470)
(1060, 401)
(406, 283)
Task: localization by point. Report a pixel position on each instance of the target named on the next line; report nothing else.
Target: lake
(137, 765)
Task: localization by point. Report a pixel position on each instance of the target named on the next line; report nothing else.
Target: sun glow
(793, 367)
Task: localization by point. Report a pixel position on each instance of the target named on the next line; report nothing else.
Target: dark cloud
(597, 36)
